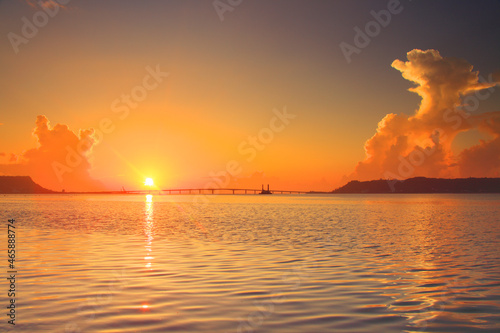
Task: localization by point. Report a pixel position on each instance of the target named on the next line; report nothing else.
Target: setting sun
(149, 182)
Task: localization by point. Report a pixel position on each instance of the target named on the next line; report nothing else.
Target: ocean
(252, 263)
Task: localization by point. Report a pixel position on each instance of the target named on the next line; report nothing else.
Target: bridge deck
(214, 191)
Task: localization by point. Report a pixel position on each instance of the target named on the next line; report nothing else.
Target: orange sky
(171, 92)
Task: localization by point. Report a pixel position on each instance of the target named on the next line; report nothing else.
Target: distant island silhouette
(25, 185)
(423, 185)
(21, 185)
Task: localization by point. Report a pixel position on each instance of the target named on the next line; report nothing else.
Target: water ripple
(367, 263)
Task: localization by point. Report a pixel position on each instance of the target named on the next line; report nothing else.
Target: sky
(303, 95)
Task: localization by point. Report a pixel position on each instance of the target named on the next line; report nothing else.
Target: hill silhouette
(21, 185)
(423, 185)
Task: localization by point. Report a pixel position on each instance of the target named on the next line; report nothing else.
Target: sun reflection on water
(149, 233)
(149, 230)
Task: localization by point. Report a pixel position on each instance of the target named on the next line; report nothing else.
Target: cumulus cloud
(44, 4)
(483, 158)
(61, 160)
(420, 144)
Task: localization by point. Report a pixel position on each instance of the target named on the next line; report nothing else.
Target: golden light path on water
(149, 233)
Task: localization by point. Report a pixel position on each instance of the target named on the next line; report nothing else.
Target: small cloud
(44, 4)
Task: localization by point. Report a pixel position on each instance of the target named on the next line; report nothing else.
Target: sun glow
(149, 182)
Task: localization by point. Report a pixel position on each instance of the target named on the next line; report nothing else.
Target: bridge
(211, 191)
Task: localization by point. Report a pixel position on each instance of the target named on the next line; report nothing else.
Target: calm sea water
(250, 263)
